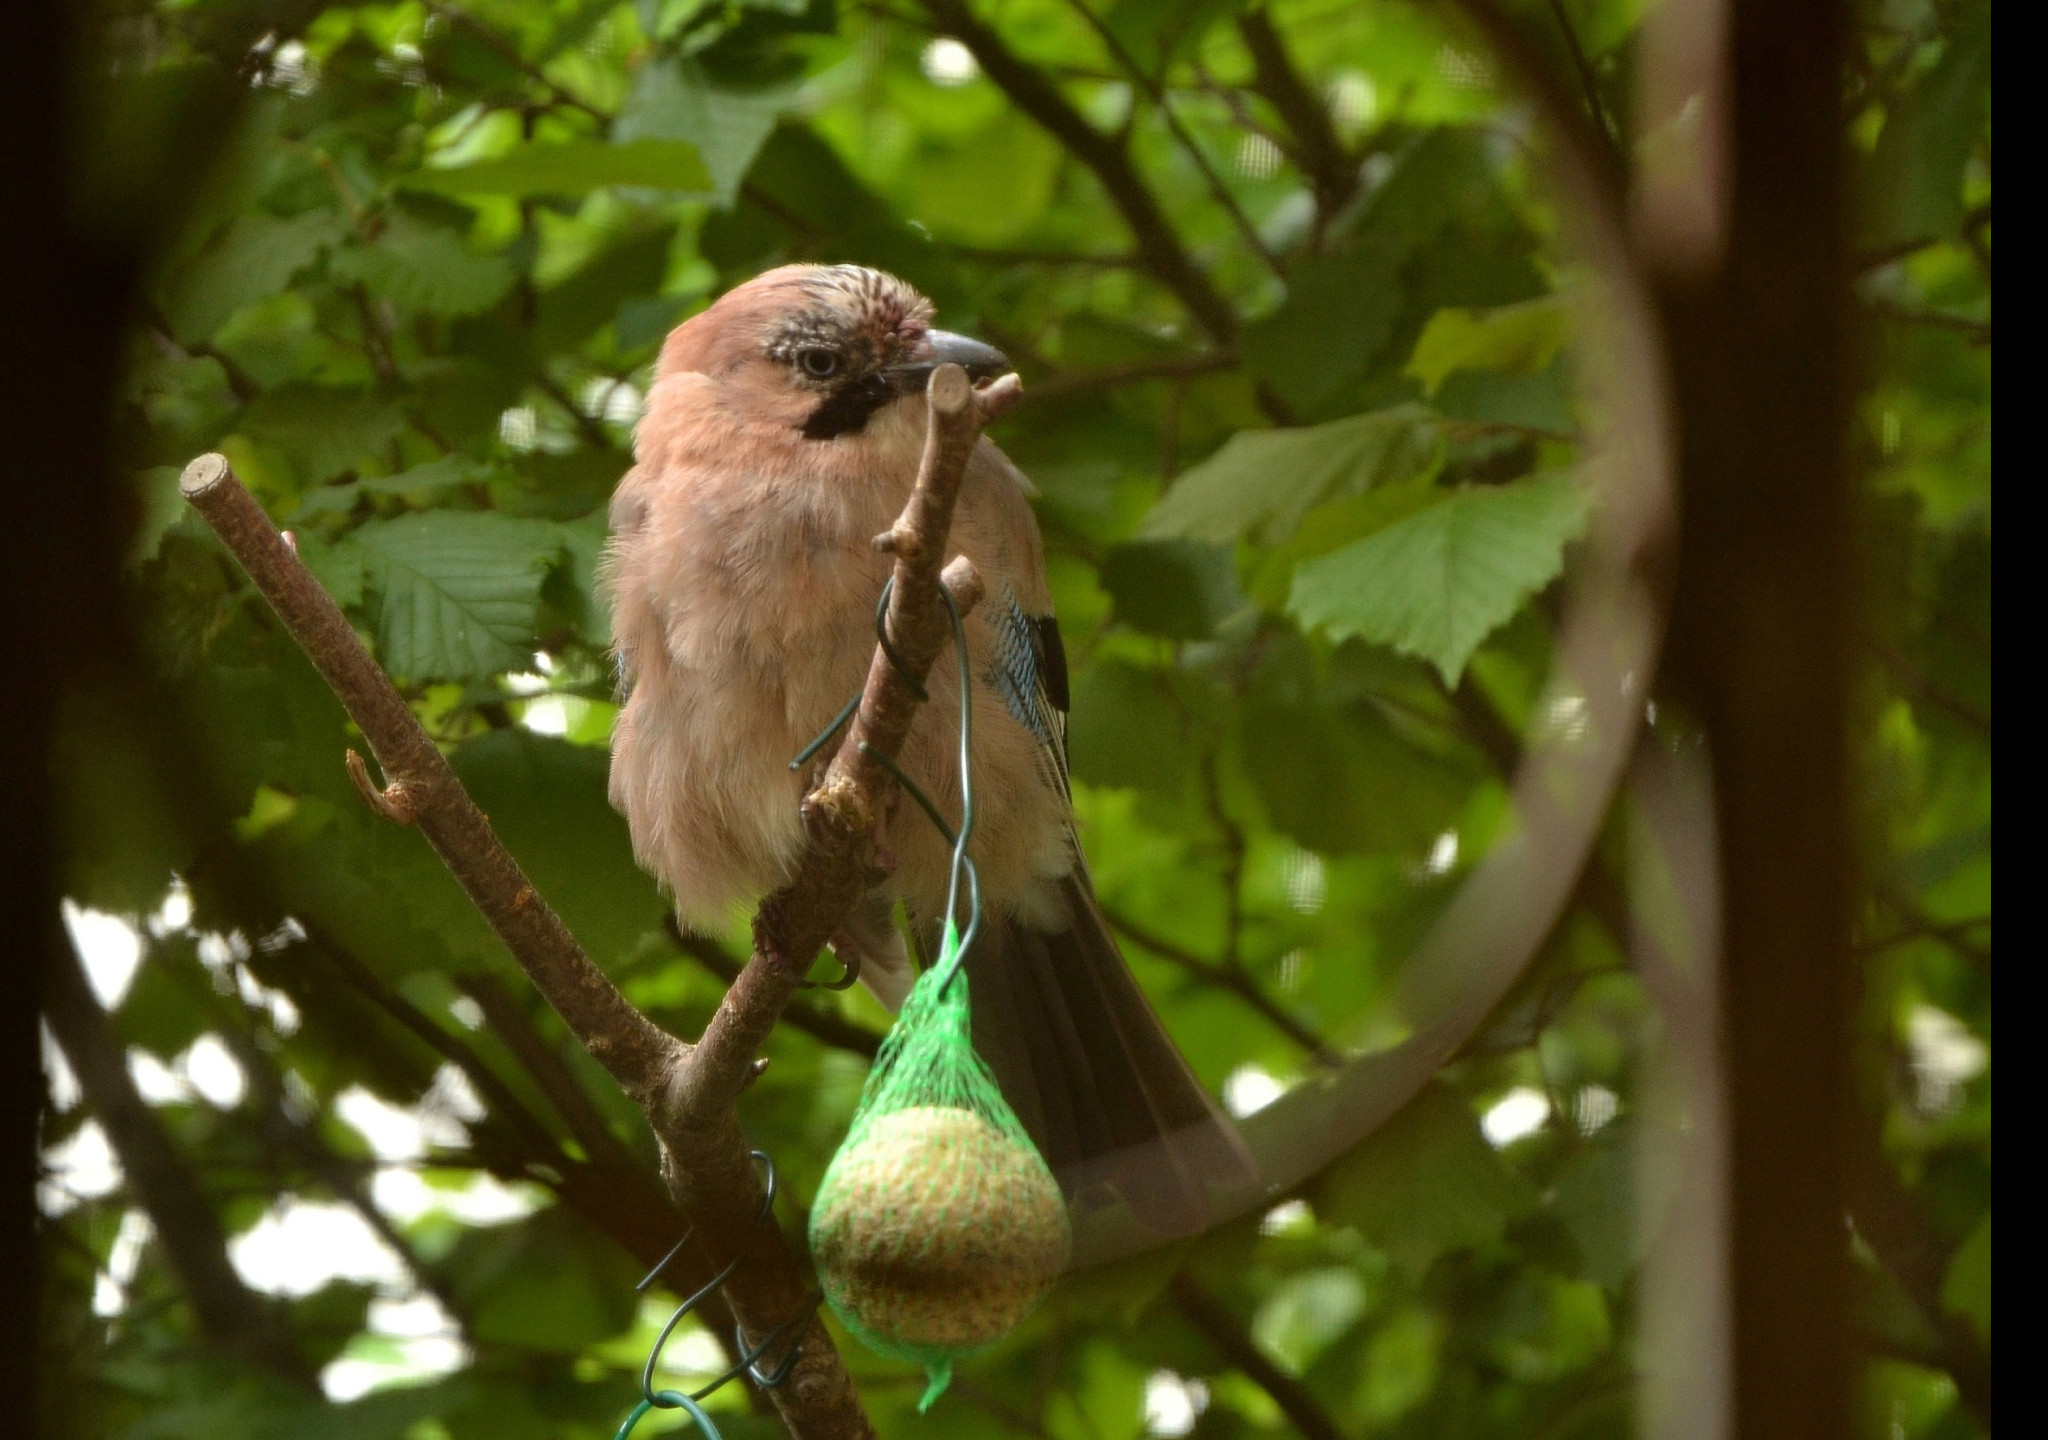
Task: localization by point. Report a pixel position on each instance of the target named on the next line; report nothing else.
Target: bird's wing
(1030, 672)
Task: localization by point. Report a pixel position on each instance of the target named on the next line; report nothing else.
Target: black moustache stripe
(847, 409)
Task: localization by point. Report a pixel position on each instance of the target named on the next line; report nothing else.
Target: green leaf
(1331, 526)
(1424, 1183)
(170, 1002)
(1125, 731)
(988, 187)
(1595, 1198)
(546, 1284)
(630, 267)
(1345, 310)
(1521, 339)
(1339, 781)
(252, 259)
(424, 267)
(673, 99)
(337, 565)
(1261, 483)
(457, 591)
(1542, 403)
(570, 168)
(1914, 189)
(1307, 1313)
(1967, 1289)
(162, 505)
(437, 480)
(321, 430)
(1439, 582)
(1178, 589)
(546, 799)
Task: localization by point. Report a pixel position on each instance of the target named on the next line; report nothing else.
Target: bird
(782, 431)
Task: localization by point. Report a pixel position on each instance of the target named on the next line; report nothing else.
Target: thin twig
(1233, 978)
(230, 1314)
(1218, 191)
(1210, 1316)
(565, 1094)
(814, 1020)
(1588, 82)
(1979, 331)
(593, 432)
(1036, 95)
(1331, 169)
(1923, 686)
(512, 56)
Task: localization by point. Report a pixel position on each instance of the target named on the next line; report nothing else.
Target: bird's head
(821, 349)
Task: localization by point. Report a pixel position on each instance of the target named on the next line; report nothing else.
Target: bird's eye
(818, 363)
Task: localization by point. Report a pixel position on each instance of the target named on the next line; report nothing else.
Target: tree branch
(1588, 82)
(1209, 1315)
(687, 1092)
(1318, 149)
(1922, 685)
(565, 1094)
(1158, 242)
(1147, 82)
(815, 1021)
(1228, 977)
(230, 1314)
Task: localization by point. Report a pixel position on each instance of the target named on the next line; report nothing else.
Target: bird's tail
(1091, 1072)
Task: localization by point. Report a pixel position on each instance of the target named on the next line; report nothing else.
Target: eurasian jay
(782, 432)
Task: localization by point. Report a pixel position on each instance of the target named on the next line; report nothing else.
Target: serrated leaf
(1331, 526)
(673, 99)
(457, 591)
(252, 259)
(1439, 582)
(424, 267)
(1521, 339)
(1425, 1183)
(570, 168)
(1261, 483)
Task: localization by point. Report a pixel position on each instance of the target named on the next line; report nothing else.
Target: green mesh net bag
(938, 1225)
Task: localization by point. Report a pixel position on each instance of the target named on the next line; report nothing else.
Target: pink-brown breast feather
(744, 585)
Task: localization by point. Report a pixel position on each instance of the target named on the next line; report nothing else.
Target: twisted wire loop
(750, 1355)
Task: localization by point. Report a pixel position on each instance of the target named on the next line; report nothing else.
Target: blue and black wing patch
(1030, 673)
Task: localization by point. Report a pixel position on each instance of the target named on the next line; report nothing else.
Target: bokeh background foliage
(1298, 344)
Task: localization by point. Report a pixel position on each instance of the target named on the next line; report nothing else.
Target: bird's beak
(981, 362)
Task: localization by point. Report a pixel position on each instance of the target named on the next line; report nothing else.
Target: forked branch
(687, 1092)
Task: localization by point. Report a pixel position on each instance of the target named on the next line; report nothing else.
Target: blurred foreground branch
(687, 1091)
